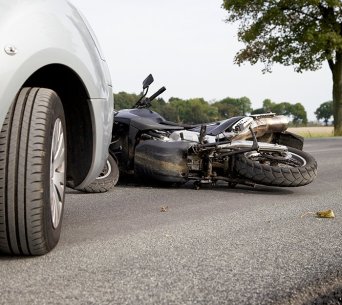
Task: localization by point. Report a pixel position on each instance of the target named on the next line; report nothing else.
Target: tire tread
(22, 146)
(277, 176)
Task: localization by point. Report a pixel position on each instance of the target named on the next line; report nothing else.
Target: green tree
(230, 107)
(192, 111)
(179, 107)
(267, 105)
(158, 105)
(195, 111)
(298, 114)
(169, 112)
(124, 100)
(302, 33)
(324, 112)
(295, 111)
(278, 108)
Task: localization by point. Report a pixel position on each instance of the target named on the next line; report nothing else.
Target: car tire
(32, 173)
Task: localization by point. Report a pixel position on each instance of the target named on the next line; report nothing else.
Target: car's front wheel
(32, 173)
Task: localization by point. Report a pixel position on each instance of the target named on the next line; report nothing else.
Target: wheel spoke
(54, 210)
(57, 173)
(60, 190)
(59, 158)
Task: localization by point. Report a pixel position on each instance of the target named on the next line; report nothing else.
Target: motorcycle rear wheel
(298, 168)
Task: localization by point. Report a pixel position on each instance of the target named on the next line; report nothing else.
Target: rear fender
(289, 139)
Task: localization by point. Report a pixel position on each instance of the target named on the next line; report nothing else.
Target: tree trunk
(337, 94)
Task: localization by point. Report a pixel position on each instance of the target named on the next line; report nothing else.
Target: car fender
(57, 33)
(60, 35)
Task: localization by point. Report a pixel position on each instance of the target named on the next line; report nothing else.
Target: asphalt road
(211, 246)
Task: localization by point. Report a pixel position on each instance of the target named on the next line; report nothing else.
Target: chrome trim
(262, 146)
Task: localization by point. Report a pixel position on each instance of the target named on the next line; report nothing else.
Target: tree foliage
(124, 100)
(197, 110)
(295, 111)
(301, 33)
(193, 111)
(298, 114)
(324, 112)
(229, 107)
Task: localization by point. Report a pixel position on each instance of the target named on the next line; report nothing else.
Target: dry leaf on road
(325, 214)
(164, 209)
(321, 214)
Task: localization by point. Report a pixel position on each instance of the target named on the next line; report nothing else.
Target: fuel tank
(162, 161)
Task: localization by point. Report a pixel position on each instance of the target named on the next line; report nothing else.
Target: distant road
(211, 246)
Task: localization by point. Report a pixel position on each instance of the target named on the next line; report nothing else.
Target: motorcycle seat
(217, 128)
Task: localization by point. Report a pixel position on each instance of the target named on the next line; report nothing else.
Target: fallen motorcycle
(247, 150)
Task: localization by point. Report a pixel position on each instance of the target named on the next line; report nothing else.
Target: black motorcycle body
(245, 149)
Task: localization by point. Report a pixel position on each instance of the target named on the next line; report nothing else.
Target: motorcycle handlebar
(160, 91)
(146, 102)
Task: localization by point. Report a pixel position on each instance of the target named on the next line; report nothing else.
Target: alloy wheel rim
(57, 173)
(106, 171)
(290, 160)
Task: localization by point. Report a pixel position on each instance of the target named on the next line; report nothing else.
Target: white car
(56, 115)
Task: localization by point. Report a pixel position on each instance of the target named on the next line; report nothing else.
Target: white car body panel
(53, 32)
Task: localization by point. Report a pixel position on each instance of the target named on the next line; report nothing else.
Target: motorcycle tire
(300, 169)
(106, 180)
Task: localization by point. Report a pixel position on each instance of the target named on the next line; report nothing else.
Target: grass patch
(313, 132)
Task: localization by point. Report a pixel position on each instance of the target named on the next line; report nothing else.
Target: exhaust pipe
(262, 125)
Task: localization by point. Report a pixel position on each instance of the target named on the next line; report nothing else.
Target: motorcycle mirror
(148, 81)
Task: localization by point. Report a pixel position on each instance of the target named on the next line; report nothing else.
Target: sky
(189, 48)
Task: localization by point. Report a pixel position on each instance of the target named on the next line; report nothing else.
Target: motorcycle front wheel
(295, 168)
(107, 179)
